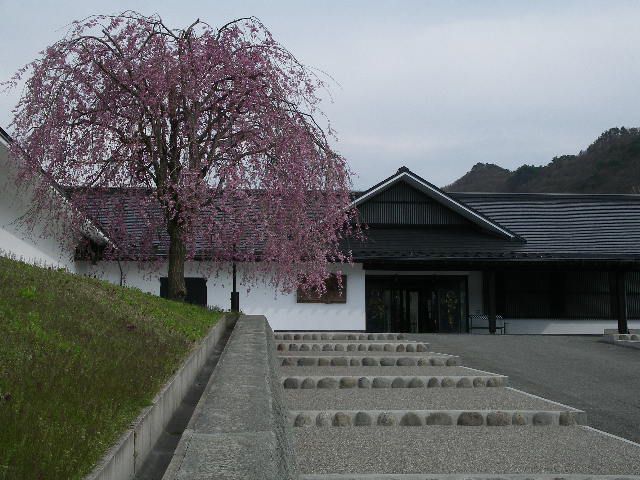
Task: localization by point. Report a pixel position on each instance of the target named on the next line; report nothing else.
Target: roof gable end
(419, 184)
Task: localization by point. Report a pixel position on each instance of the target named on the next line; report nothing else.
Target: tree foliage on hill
(611, 164)
(193, 119)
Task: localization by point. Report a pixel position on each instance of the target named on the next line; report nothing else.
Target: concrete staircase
(365, 406)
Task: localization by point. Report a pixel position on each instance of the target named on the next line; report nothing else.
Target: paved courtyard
(364, 404)
(599, 378)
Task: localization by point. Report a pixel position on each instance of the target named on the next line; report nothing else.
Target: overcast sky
(435, 86)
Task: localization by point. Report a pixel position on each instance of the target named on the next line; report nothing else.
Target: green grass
(79, 359)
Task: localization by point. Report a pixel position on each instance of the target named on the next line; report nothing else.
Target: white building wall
(33, 246)
(281, 309)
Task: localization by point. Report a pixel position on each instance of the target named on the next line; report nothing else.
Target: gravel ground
(455, 450)
(494, 398)
(377, 371)
(579, 371)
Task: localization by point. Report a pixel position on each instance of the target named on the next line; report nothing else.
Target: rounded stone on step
(635, 337)
(364, 382)
(297, 336)
(437, 361)
(410, 348)
(288, 362)
(498, 419)
(340, 362)
(439, 418)
(416, 382)
(327, 348)
(387, 362)
(348, 382)
(307, 336)
(407, 362)
(362, 419)
(355, 362)
(325, 336)
(381, 382)
(293, 347)
(362, 347)
(470, 419)
(494, 382)
(352, 337)
(328, 382)
(339, 347)
(386, 419)
(389, 348)
(303, 420)
(479, 382)
(448, 382)
(280, 347)
(568, 418)
(542, 418)
(362, 337)
(324, 362)
(317, 336)
(433, 382)
(324, 419)
(291, 383)
(424, 362)
(519, 419)
(464, 382)
(411, 419)
(370, 362)
(315, 347)
(341, 419)
(352, 347)
(306, 362)
(400, 348)
(304, 347)
(308, 383)
(421, 347)
(287, 337)
(371, 337)
(401, 336)
(398, 382)
(376, 347)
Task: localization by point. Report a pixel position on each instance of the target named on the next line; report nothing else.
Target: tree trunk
(177, 256)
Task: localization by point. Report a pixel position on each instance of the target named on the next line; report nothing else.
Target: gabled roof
(407, 176)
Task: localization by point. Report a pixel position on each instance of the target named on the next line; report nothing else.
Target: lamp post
(235, 295)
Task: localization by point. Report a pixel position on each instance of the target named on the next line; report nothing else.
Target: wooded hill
(611, 164)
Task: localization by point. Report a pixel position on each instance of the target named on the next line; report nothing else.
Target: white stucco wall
(282, 310)
(15, 241)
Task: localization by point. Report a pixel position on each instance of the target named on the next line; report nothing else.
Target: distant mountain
(611, 164)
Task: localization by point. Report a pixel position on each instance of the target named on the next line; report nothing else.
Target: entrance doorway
(416, 304)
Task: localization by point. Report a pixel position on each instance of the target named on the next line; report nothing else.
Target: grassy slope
(79, 358)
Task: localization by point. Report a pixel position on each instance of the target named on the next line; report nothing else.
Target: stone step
(315, 371)
(338, 336)
(454, 476)
(368, 360)
(393, 381)
(430, 418)
(364, 346)
(484, 450)
(418, 399)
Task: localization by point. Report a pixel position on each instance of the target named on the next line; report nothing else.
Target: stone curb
(471, 476)
(353, 347)
(377, 361)
(338, 336)
(407, 381)
(240, 428)
(422, 418)
(124, 459)
(623, 340)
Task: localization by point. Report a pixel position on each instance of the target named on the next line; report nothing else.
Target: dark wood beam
(618, 295)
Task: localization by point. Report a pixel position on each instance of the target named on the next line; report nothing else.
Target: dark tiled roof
(552, 226)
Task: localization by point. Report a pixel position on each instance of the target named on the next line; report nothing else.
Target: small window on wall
(196, 290)
(332, 294)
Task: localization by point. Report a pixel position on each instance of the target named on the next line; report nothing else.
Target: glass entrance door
(416, 304)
